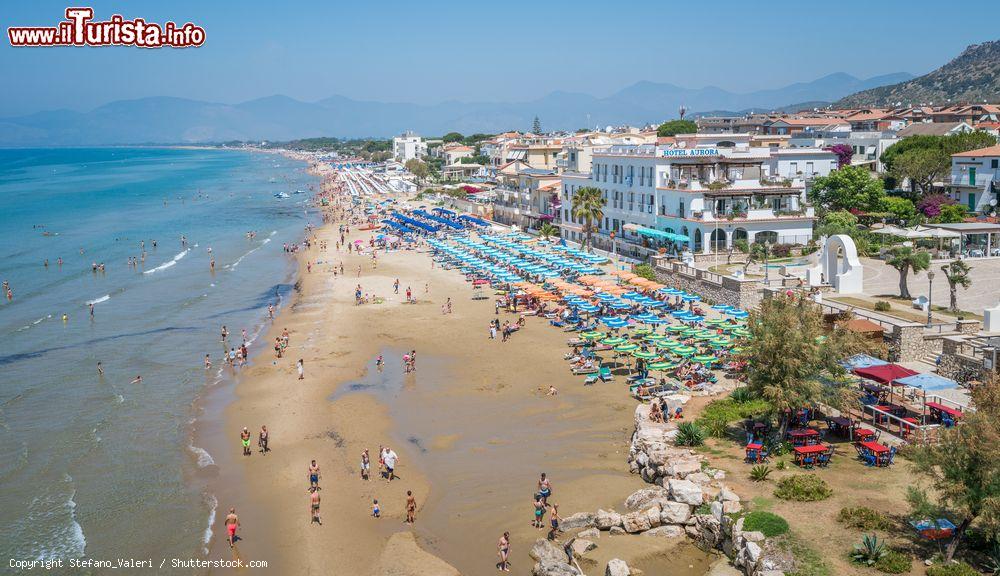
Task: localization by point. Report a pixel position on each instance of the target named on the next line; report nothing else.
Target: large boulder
(685, 492)
(581, 546)
(606, 520)
(674, 512)
(617, 531)
(635, 522)
(727, 495)
(683, 467)
(617, 567)
(642, 497)
(546, 552)
(578, 520)
(556, 569)
(589, 534)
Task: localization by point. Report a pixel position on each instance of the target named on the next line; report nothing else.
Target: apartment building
(408, 146)
(975, 179)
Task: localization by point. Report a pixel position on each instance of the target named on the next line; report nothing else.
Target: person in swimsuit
(245, 440)
(544, 489)
(314, 505)
(503, 551)
(365, 465)
(539, 513)
(554, 522)
(313, 475)
(411, 507)
(232, 523)
(376, 511)
(262, 440)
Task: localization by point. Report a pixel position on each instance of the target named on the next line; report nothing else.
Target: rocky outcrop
(617, 567)
(551, 560)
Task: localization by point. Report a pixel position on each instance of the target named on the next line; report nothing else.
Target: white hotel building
(712, 188)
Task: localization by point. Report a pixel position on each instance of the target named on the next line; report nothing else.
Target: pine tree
(536, 126)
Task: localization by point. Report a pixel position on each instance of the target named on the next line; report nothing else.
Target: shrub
(870, 551)
(769, 524)
(894, 562)
(760, 472)
(882, 306)
(689, 434)
(781, 250)
(715, 426)
(703, 508)
(781, 465)
(742, 395)
(645, 270)
(864, 518)
(955, 569)
(803, 488)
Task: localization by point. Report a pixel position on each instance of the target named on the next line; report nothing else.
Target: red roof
(988, 151)
(885, 373)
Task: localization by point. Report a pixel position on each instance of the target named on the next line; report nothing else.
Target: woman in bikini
(503, 551)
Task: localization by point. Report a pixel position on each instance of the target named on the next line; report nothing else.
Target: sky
(432, 51)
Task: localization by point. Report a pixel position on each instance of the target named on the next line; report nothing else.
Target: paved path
(984, 291)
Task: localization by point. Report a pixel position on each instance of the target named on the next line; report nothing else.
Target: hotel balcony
(962, 179)
(752, 214)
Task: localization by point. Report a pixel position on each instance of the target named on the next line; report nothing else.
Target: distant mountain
(179, 120)
(972, 77)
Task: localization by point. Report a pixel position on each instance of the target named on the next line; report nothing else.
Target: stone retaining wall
(713, 288)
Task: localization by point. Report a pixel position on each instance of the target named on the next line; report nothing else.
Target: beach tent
(885, 373)
(928, 382)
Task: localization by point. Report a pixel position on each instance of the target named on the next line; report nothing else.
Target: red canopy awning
(885, 373)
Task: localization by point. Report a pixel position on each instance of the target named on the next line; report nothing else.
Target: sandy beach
(473, 427)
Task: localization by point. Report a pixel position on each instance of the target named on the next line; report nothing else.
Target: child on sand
(376, 511)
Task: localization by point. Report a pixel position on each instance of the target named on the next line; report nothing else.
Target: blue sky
(431, 51)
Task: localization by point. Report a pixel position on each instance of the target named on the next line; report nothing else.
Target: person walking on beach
(544, 489)
(448, 304)
(554, 522)
(376, 511)
(411, 508)
(208, 362)
(493, 331)
(503, 551)
(245, 440)
(395, 286)
(301, 369)
(365, 465)
(100, 370)
(380, 363)
(389, 460)
(496, 311)
(409, 294)
(262, 440)
(314, 505)
(314, 475)
(413, 360)
(232, 523)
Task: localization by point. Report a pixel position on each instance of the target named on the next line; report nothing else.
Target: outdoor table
(862, 434)
(841, 424)
(874, 447)
(803, 436)
(907, 429)
(942, 408)
(802, 452)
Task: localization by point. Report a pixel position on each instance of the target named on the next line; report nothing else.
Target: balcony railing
(964, 180)
(752, 214)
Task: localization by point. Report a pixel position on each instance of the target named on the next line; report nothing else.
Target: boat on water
(282, 195)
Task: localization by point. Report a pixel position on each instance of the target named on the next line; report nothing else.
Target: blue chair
(751, 456)
(870, 459)
(947, 421)
(823, 460)
(808, 462)
(892, 456)
(764, 455)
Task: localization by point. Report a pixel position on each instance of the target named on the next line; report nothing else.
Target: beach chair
(823, 460)
(590, 380)
(582, 371)
(605, 374)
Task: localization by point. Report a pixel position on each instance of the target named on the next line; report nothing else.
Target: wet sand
(473, 429)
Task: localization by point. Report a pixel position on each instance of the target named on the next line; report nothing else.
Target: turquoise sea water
(96, 466)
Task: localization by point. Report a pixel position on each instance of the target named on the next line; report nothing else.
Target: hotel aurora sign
(690, 152)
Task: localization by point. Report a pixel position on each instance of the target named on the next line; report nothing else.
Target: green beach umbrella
(703, 336)
(663, 365)
(715, 321)
(721, 341)
(685, 351)
(626, 347)
(677, 328)
(592, 335)
(615, 341)
(738, 350)
(656, 338)
(645, 355)
(642, 331)
(705, 359)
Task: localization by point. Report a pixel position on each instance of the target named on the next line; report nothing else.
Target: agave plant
(741, 395)
(689, 434)
(870, 551)
(780, 465)
(993, 564)
(760, 472)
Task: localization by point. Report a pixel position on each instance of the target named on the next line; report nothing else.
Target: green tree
(417, 168)
(957, 274)
(536, 126)
(902, 208)
(675, 127)
(968, 141)
(588, 205)
(942, 146)
(452, 137)
(904, 259)
(645, 270)
(848, 187)
(963, 467)
(951, 214)
(792, 352)
(923, 166)
(548, 230)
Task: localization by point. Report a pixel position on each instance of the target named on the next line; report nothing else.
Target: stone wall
(713, 288)
(957, 364)
(908, 342)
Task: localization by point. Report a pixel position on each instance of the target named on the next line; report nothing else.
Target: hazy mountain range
(179, 120)
(974, 76)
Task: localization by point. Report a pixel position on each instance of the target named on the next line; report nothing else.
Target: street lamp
(930, 292)
(767, 275)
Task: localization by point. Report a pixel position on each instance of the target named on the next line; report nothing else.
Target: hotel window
(994, 163)
(809, 168)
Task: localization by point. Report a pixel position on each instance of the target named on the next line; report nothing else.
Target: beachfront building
(524, 196)
(712, 189)
(934, 129)
(975, 179)
(408, 146)
(867, 146)
(452, 152)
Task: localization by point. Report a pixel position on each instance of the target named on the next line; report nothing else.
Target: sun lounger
(591, 380)
(605, 374)
(582, 370)
(575, 342)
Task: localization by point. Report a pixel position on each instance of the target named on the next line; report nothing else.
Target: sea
(104, 466)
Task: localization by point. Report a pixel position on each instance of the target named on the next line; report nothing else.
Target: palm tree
(548, 231)
(588, 204)
(905, 259)
(957, 274)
